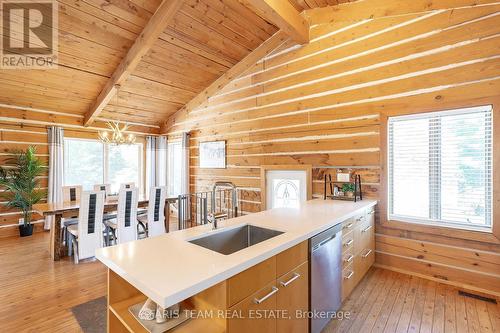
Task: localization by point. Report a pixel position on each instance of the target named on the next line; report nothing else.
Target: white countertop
(168, 269)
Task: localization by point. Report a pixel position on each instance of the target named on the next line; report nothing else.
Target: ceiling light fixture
(116, 135)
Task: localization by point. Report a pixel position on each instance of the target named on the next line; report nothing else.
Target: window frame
(432, 221)
(105, 156)
(399, 227)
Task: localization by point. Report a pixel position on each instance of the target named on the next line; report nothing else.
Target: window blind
(440, 167)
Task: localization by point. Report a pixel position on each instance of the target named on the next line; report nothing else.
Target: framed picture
(213, 155)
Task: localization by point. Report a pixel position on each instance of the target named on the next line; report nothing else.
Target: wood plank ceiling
(301, 5)
(204, 39)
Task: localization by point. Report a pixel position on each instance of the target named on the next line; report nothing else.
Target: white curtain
(156, 161)
(56, 168)
(185, 164)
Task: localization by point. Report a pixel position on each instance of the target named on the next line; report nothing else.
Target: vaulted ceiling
(201, 42)
(301, 5)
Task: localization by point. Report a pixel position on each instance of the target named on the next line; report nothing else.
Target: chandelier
(116, 135)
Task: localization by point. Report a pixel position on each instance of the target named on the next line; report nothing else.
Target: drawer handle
(371, 212)
(295, 277)
(349, 276)
(271, 293)
(367, 228)
(360, 218)
(349, 226)
(349, 259)
(349, 242)
(367, 253)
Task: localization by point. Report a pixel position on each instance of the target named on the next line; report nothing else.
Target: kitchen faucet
(234, 197)
(214, 217)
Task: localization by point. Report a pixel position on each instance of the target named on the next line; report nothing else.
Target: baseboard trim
(465, 287)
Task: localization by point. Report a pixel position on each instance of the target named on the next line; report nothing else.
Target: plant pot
(350, 194)
(26, 230)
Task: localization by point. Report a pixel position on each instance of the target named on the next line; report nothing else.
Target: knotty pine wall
(322, 104)
(20, 137)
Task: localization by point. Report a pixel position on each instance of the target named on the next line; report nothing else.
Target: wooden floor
(37, 295)
(386, 301)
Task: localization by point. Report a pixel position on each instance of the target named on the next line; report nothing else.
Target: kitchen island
(170, 269)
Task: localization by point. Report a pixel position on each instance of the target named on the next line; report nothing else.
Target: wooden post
(55, 238)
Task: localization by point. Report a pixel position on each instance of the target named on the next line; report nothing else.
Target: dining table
(69, 209)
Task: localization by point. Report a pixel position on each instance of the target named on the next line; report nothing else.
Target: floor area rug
(91, 316)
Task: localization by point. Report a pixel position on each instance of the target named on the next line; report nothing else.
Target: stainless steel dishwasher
(325, 258)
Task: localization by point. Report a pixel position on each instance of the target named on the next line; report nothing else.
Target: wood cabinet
(249, 315)
(293, 297)
(358, 249)
(264, 298)
(251, 280)
(285, 294)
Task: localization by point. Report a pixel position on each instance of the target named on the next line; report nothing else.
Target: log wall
(322, 104)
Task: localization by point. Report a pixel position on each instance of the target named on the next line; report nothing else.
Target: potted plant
(348, 189)
(19, 179)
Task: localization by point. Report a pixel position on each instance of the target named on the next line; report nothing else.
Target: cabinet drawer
(249, 281)
(292, 296)
(347, 242)
(348, 280)
(364, 236)
(358, 219)
(347, 257)
(348, 226)
(291, 258)
(365, 259)
(242, 316)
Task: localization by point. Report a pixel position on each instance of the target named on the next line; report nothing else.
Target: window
(440, 168)
(124, 165)
(174, 168)
(90, 162)
(83, 163)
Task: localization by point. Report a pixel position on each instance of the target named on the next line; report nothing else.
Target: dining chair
(124, 227)
(87, 235)
(70, 193)
(107, 192)
(140, 211)
(127, 185)
(103, 187)
(154, 220)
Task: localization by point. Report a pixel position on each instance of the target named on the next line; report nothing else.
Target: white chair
(87, 235)
(124, 227)
(107, 192)
(155, 218)
(126, 185)
(103, 187)
(70, 193)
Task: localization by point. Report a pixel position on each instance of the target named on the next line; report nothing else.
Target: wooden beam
(369, 9)
(282, 14)
(153, 29)
(265, 48)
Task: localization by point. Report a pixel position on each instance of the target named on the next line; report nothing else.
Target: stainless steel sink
(235, 239)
